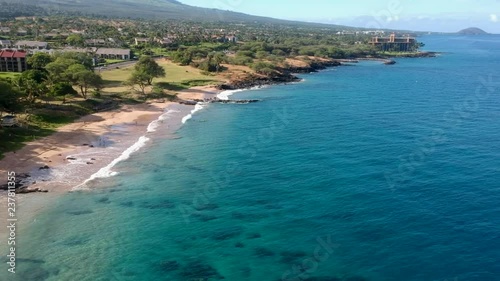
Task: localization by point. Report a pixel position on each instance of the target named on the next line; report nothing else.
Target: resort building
(31, 45)
(395, 44)
(5, 43)
(141, 41)
(13, 61)
(95, 42)
(112, 53)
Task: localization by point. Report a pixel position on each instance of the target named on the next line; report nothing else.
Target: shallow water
(369, 172)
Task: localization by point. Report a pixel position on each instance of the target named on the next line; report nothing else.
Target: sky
(420, 15)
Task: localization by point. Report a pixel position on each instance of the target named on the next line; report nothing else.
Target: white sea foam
(106, 172)
(224, 95)
(199, 106)
(155, 124)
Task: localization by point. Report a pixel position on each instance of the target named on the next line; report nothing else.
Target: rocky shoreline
(282, 76)
(286, 75)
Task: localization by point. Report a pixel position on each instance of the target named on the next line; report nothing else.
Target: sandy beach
(89, 147)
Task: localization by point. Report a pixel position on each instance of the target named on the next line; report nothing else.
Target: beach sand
(91, 144)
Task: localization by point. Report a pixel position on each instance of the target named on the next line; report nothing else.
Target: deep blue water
(364, 172)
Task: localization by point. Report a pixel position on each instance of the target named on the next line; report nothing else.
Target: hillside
(472, 31)
(151, 9)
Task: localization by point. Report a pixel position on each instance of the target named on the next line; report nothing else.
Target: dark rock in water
(292, 256)
(164, 204)
(44, 168)
(239, 245)
(246, 272)
(89, 163)
(188, 102)
(126, 204)
(36, 261)
(249, 216)
(324, 278)
(75, 241)
(227, 233)
(203, 217)
(104, 200)
(234, 101)
(206, 207)
(18, 185)
(254, 235)
(80, 212)
(71, 158)
(169, 266)
(355, 278)
(390, 62)
(31, 190)
(198, 270)
(34, 273)
(194, 168)
(263, 252)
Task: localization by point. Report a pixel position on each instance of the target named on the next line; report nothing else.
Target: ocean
(363, 172)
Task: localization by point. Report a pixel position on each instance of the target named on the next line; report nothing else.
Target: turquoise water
(365, 172)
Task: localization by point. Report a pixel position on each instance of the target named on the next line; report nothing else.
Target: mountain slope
(159, 9)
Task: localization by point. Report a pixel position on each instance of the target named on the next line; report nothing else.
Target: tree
(147, 68)
(9, 97)
(32, 83)
(63, 89)
(75, 40)
(139, 78)
(58, 69)
(39, 60)
(81, 58)
(86, 79)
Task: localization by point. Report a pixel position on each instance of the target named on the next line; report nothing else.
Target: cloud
(493, 18)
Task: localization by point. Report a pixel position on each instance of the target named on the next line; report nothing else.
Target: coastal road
(115, 66)
(120, 65)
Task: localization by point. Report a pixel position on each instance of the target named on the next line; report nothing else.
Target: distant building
(140, 41)
(31, 45)
(393, 43)
(5, 44)
(13, 61)
(232, 39)
(95, 42)
(22, 32)
(4, 30)
(164, 41)
(112, 53)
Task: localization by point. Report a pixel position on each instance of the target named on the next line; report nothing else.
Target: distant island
(472, 31)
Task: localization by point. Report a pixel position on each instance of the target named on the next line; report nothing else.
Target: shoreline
(89, 148)
(114, 136)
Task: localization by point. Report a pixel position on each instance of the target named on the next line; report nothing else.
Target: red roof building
(13, 61)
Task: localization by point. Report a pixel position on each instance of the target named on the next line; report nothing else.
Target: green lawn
(110, 61)
(180, 75)
(9, 74)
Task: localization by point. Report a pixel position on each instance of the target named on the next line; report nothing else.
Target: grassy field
(46, 118)
(9, 74)
(110, 61)
(177, 78)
